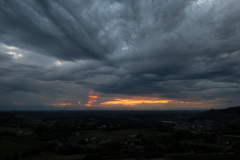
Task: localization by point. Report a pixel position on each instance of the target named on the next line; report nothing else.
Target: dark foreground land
(90, 135)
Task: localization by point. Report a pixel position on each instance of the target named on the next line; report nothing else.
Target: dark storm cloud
(175, 49)
(29, 21)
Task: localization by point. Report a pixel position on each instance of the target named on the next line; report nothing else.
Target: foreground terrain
(161, 135)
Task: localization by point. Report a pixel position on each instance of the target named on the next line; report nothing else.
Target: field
(230, 138)
(198, 142)
(116, 135)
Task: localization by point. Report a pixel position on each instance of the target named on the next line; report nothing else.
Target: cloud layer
(55, 51)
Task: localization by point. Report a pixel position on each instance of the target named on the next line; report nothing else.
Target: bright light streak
(135, 101)
(142, 100)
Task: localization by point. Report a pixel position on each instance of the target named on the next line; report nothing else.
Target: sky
(119, 54)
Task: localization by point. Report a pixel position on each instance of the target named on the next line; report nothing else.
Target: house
(102, 140)
(133, 135)
(93, 138)
(24, 133)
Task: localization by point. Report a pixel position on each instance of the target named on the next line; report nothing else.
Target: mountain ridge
(229, 115)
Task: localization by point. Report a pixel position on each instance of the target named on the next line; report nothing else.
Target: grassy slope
(6, 117)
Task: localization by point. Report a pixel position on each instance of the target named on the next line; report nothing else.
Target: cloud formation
(53, 52)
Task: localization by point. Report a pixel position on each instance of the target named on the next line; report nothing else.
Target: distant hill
(229, 115)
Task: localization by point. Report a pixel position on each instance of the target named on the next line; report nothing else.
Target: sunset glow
(143, 100)
(57, 104)
(92, 97)
(135, 101)
(64, 104)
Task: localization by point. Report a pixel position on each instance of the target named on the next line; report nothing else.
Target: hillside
(229, 115)
(7, 117)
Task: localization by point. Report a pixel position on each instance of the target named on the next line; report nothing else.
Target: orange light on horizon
(64, 104)
(79, 102)
(143, 100)
(135, 101)
(57, 104)
(94, 97)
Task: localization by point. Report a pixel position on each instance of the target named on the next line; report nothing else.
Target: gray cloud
(4, 57)
(184, 50)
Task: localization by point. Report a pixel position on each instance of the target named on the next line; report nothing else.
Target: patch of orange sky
(142, 100)
(92, 97)
(135, 101)
(57, 104)
(129, 101)
(64, 104)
